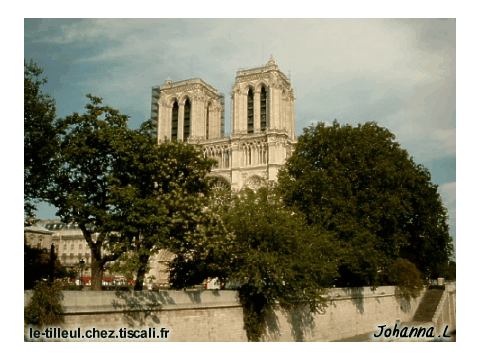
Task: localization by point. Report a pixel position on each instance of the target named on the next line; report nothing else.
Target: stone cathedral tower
(263, 123)
(188, 110)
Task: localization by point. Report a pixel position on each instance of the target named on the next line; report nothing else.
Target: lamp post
(82, 265)
(52, 263)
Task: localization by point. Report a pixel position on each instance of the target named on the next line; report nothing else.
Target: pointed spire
(271, 61)
(168, 81)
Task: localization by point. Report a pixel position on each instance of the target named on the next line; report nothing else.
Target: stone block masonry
(188, 315)
(218, 316)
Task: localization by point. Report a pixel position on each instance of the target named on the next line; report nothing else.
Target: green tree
(361, 187)
(158, 193)
(207, 254)
(407, 278)
(90, 151)
(40, 137)
(268, 252)
(45, 305)
(450, 271)
(36, 266)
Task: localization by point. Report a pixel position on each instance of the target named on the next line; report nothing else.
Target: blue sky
(399, 73)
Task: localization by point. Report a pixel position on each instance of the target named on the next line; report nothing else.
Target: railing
(446, 312)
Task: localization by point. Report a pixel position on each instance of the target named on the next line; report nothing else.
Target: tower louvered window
(250, 111)
(207, 122)
(186, 120)
(174, 121)
(263, 109)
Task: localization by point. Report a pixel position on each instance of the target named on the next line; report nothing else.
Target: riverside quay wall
(218, 316)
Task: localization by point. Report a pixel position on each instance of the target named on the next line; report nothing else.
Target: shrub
(44, 307)
(407, 278)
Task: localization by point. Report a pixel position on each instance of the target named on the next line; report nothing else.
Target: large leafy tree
(207, 254)
(90, 151)
(159, 193)
(379, 205)
(37, 266)
(266, 250)
(40, 138)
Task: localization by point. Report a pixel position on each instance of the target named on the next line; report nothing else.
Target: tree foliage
(207, 252)
(90, 151)
(268, 252)
(45, 305)
(40, 137)
(158, 192)
(361, 187)
(407, 279)
(450, 272)
(36, 266)
(128, 195)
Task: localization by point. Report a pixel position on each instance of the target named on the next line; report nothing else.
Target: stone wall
(350, 312)
(218, 316)
(188, 315)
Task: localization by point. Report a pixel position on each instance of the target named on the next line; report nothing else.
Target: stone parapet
(218, 315)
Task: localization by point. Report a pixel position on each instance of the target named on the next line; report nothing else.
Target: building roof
(37, 230)
(56, 228)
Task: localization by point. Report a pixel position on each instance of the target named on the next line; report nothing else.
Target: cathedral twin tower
(263, 123)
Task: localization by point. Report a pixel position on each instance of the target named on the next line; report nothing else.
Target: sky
(399, 73)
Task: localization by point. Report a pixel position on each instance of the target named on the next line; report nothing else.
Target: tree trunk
(97, 269)
(141, 272)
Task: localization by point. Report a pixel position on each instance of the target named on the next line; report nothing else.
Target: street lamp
(82, 265)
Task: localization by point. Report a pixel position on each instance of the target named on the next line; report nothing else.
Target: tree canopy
(130, 196)
(158, 193)
(40, 139)
(89, 151)
(379, 205)
(260, 246)
(37, 266)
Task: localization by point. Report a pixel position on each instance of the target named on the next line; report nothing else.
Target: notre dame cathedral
(263, 123)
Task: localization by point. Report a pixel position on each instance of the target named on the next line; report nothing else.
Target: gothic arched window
(175, 121)
(250, 111)
(263, 109)
(186, 120)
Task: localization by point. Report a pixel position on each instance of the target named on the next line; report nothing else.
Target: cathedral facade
(263, 123)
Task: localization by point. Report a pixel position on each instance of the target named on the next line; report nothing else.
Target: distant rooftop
(37, 229)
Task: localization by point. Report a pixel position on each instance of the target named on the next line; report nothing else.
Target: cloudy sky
(399, 73)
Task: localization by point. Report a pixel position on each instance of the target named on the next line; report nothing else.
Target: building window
(174, 121)
(186, 120)
(250, 111)
(263, 109)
